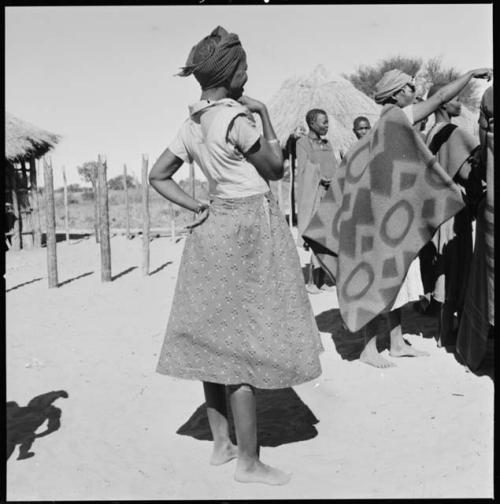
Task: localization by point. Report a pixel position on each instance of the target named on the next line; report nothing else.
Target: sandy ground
(422, 429)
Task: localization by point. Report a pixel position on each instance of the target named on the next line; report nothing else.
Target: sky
(103, 77)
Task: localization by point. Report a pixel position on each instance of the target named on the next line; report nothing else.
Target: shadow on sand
(124, 272)
(23, 284)
(23, 422)
(75, 278)
(350, 345)
(161, 267)
(281, 418)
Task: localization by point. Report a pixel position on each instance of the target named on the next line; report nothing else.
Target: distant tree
(435, 73)
(365, 77)
(116, 183)
(431, 72)
(75, 188)
(88, 173)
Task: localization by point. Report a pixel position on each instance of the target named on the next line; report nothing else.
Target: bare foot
(257, 472)
(405, 350)
(223, 454)
(370, 356)
(312, 289)
(328, 288)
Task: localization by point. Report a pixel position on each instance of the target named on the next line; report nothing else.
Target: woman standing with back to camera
(241, 317)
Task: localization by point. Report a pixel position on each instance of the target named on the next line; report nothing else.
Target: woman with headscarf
(398, 88)
(476, 331)
(390, 197)
(240, 317)
(445, 260)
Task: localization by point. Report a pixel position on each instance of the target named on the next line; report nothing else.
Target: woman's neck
(214, 94)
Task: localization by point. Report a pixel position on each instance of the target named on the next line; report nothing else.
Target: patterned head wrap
(214, 59)
(390, 83)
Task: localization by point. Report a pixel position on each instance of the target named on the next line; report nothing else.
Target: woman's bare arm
(160, 178)
(425, 108)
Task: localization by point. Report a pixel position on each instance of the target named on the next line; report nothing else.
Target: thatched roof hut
(24, 143)
(321, 89)
(342, 102)
(24, 140)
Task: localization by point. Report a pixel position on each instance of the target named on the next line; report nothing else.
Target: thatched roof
(342, 102)
(321, 89)
(23, 140)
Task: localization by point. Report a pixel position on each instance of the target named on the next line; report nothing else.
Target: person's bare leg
(249, 469)
(311, 287)
(370, 354)
(215, 399)
(399, 347)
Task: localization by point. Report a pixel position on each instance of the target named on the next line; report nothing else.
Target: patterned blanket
(387, 199)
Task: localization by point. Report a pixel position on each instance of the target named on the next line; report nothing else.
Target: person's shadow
(23, 421)
(281, 418)
(349, 345)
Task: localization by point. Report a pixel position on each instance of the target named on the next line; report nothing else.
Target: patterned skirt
(240, 312)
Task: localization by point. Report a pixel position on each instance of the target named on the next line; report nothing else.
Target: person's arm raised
(160, 178)
(425, 108)
(266, 155)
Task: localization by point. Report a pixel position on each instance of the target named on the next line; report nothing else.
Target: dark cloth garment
(385, 202)
(478, 319)
(290, 153)
(216, 69)
(489, 223)
(316, 166)
(445, 260)
(472, 338)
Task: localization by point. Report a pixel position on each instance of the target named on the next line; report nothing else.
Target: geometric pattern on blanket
(388, 197)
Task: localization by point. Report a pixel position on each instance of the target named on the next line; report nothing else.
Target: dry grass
(23, 140)
(321, 89)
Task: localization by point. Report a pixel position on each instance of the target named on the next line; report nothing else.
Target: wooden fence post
(290, 191)
(172, 227)
(280, 195)
(127, 205)
(16, 228)
(145, 216)
(50, 220)
(25, 209)
(104, 224)
(35, 205)
(97, 216)
(66, 209)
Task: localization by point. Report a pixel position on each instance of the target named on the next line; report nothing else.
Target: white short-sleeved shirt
(216, 136)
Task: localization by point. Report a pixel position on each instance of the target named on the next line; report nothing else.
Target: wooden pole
(280, 195)
(172, 227)
(25, 209)
(104, 222)
(35, 205)
(97, 216)
(66, 209)
(16, 229)
(127, 207)
(290, 192)
(50, 222)
(191, 179)
(145, 216)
